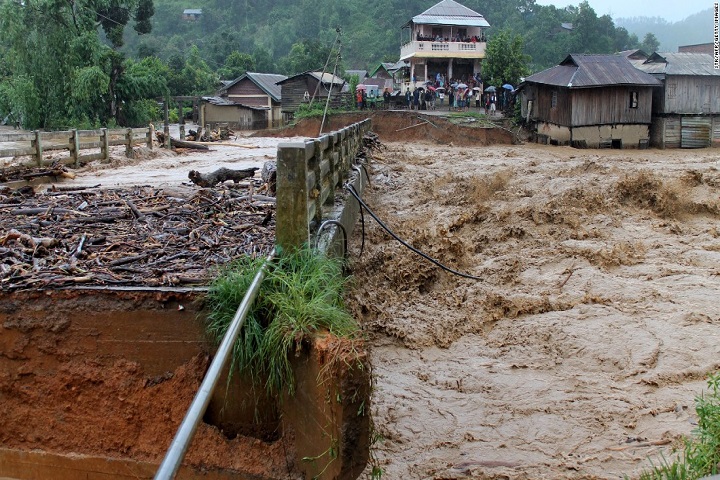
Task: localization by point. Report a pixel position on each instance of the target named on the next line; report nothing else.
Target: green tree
(307, 55)
(650, 43)
(191, 76)
(62, 71)
(236, 64)
(506, 61)
(263, 60)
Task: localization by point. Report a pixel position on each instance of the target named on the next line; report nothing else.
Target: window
(633, 99)
(671, 87)
(553, 101)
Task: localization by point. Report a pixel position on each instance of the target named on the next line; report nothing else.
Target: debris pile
(222, 132)
(132, 237)
(370, 142)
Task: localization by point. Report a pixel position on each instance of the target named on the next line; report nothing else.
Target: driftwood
(269, 176)
(179, 143)
(220, 175)
(185, 144)
(95, 237)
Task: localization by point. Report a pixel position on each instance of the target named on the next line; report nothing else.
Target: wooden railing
(308, 175)
(75, 141)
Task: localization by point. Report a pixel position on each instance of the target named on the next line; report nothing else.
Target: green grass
(700, 456)
(301, 295)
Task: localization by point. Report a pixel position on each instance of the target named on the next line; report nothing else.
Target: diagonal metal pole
(173, 458)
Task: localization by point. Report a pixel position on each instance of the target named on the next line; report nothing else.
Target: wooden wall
(691, 94)
(247, 93)
(542, 110)
(234, 116)
(587, 106)
(610, 106)
(294, 89)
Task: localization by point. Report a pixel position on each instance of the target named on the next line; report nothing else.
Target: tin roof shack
(595, 101)
(257, 90)
(218, 110)
(446, 39)
(304, 87)
(192, 14)
(686, 111)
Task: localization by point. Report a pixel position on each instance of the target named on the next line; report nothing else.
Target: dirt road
(594, 324)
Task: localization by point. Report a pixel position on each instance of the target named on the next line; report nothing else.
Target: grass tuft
(301, 295)
(701, 454)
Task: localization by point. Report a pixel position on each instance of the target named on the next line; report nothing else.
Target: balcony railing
(431, 49)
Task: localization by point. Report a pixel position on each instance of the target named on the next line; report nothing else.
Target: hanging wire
(354, 193)
(332, 82)
(324, 69)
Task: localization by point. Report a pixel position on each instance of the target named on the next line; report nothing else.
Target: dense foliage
(302, 295)
(79, 63)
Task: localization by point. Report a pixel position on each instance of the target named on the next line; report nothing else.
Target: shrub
(301, 295)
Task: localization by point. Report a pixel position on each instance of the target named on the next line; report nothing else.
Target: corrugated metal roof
(450, 12)
(398, 65)
(267, 82)
(673, 63)
(360, 73)
(584, 71)
(326, 78)
(224, 102)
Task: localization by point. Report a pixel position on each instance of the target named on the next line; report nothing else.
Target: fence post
(291, 224)
(37, 143)
(315, 162)
(333, 158)
(150, 135)
(105, 144)
(129, 143)
(166, 126)
(75, 147)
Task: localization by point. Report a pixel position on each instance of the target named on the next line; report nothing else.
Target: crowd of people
(457, 95)
(457, 38)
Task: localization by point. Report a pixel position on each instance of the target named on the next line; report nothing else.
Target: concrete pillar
(291, 225)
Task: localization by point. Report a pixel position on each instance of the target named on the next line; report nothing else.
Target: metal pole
(183, 437)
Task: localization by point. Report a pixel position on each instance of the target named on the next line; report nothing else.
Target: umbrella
(477, 89)
(361, 87)
(490, 89)
(441, 89)
(507, 86)
(453, 85)
(431, 88)
(462, 85)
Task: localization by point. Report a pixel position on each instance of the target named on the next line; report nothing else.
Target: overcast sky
(670, 10)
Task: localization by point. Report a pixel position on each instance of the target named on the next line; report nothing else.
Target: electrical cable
(342, 228)
(332, 82)
(354, 193)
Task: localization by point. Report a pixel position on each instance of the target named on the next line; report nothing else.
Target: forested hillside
(268, 29)
(697, 28)
(100, 62)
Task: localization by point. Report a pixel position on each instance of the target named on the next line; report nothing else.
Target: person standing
(386, 99)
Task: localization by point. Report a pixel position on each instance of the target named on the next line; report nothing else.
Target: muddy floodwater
(592, 325)
(579, 350)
